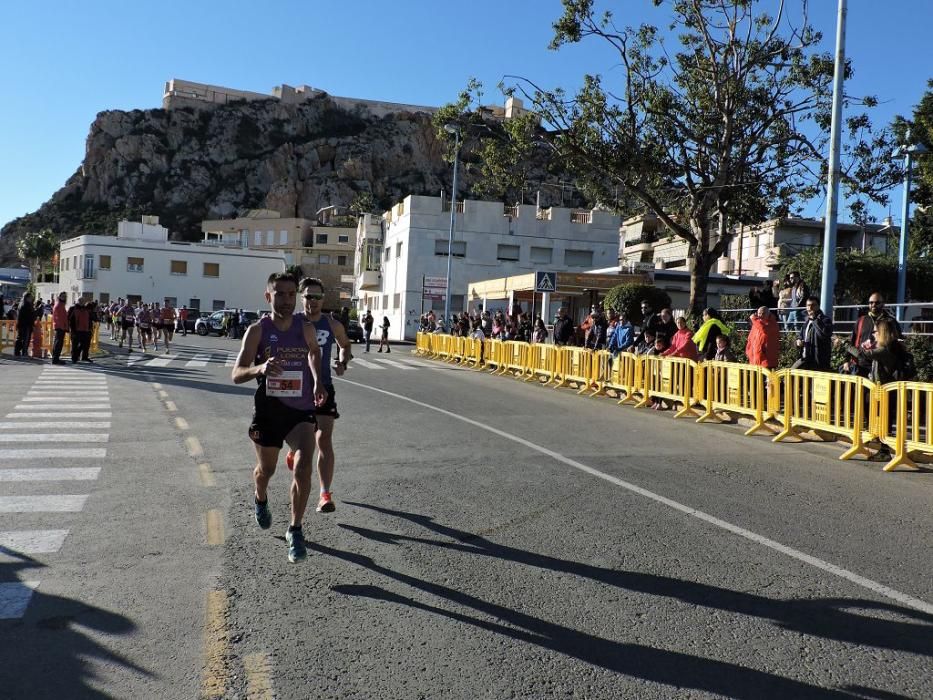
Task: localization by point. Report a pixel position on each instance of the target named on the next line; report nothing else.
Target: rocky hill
(186, 165)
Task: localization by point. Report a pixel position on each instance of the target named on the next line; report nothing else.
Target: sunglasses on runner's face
(314, 297)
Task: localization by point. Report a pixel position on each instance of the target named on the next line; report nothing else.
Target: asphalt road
(492, 539)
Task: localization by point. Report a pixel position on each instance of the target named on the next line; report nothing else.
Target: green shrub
(628, 297)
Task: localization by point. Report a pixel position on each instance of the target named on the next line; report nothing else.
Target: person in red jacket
(79, 320)
(682, 344)
(60, 327)
(764, 339)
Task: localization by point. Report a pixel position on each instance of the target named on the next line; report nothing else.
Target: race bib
(285, 384)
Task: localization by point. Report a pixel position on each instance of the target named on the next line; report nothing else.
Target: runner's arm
(244, 370)
(345, 345)
(314, 361)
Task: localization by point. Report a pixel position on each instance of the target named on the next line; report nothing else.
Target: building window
(321, 238)
(270, 237)
(342, 260)
(343, 238)
(179, 267)
(218, 305)
(134, 264)
(398, 249)
(578, 258)
(283, 237)
(258, 238)
(388, 252)
(396, 300)
(541, 255)
(74, 263)
(211, 269)
(194, 303)
(67, 262)
(88, 267)
(457, 248)
(104, 262)
(507, 252)
(385, 301)
(323, 259)
(104, 298)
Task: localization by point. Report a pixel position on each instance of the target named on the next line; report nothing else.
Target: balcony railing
(511, 212)
(460, 205)
(581, 217)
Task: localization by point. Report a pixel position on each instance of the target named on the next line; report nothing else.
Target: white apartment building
(399, 250)
(141, 264)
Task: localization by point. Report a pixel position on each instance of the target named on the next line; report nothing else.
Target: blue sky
(66, 60)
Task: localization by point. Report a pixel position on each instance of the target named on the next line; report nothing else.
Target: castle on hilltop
(184, 93)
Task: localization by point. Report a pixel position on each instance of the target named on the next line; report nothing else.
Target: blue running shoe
(296, 545)
(263, 514)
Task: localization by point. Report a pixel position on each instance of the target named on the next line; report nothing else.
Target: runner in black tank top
(283, 356)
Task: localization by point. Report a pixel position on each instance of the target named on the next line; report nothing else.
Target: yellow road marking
(181, 423)
(258, 668)
(170, 406)
(207, 476)
(216, 646)
(193, 445)
(214, 523)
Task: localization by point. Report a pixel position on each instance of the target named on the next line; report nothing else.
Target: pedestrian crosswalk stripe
(198, 361)
(58, 391)
(89, 381)
(54, 452)
(14, 598)
(60, 425)
(51, 474)
(393, 363)
(56, 405)
(53, 437)
(231, 360)
(42, 504)
(56, 414)
(161, 361)
(366, 364)
(31, 541)
(65, 399)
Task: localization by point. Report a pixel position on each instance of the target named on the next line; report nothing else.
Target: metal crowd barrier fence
(736, 388)
(46, 331)
(670, 378)
(838, 404)
(899, 414)
(910, 406)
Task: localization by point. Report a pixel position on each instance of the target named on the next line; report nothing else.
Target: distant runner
(282, 354)
(169, 316)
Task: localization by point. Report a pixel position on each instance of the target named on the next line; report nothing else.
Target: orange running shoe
(326, 504)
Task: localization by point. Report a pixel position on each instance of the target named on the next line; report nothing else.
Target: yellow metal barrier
(827, 402)
(600, 371)
(736, 388)
(626, 376)
(910, 405)
(513, 358)
(542, 362)
(574, 366)
(671, 378)
(423, 343)
(492, 353)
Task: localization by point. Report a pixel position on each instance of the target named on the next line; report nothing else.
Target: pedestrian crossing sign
(545, 281)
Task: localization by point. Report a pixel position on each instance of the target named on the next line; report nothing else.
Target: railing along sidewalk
(735, 388)
(910, 404)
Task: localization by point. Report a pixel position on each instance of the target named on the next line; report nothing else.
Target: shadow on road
(835, 618)
(46, 653)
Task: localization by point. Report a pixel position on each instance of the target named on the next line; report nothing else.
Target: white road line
(56, 405)
(54, 414)
(61, 425)
(861, 581)
(134, 359)
(366, 364)
(77, 383)
(66, 399)
(161, 361)
(52, 452)
(32, 541)
(41, 504)
(198, 361)
(14, 598)
(231, 360)
(97, 395)
(54, 437)
(393, 363)
(51, 474)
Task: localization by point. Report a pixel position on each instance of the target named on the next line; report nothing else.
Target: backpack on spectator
(907, 367)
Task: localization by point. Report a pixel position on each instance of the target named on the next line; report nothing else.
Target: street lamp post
(908, 152)
(455, 130)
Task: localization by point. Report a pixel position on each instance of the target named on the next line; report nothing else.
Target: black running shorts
(273, 421)
(329, 408)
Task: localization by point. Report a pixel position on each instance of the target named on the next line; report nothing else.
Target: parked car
(355, 331)
(193, 316)
(213, 322)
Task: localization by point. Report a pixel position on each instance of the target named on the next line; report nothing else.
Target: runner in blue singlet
(328, 332)
(282, 354)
